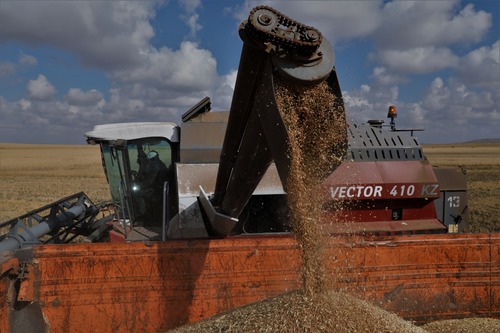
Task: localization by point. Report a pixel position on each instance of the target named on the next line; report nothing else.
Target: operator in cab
(150, 178)
(152, 172)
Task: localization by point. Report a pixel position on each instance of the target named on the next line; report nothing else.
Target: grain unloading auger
(245, 252)
(275, 48)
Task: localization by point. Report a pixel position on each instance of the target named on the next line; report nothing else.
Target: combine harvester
(199, 222)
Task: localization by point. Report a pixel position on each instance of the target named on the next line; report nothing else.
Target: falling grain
(315, 123)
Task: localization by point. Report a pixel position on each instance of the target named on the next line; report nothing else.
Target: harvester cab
(138, 160)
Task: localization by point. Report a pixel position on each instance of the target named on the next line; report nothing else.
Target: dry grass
(484, 154)
(34, 175)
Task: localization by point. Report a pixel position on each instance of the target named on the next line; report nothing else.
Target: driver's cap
(152, 154)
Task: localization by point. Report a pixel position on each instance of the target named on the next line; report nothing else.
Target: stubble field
(34, 175)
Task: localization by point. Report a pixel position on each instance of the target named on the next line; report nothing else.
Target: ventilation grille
(371, 143)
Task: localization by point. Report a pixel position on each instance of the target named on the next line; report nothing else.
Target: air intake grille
(372, 143)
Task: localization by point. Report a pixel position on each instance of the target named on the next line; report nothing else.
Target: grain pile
(471, 325)
(298, 312)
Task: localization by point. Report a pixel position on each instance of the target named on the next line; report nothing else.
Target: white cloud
(455, 95)
(40, 88)
(410, 24)
(481, 67)
(191, 17)
(418, 60)
(7, 68)
(449, 111)
(151, 82)
(438, 95)
(459, 112)
(193, 24)
(78, 97)
(190, 6)
(370, 101)
(381, 76)
(222, 94)
(24, 104)
(27, 60)
(187, 69)
(104, 34)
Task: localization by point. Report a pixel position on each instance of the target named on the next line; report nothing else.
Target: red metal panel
(414, 226)
(427, 277)
(137, 287)
(145, 287)
(382, 180)
(8, 267)
(410, 171)
(380, 210)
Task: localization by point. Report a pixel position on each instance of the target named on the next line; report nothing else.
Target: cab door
(137, 171)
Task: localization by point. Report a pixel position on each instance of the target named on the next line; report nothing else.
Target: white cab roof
(131, 131)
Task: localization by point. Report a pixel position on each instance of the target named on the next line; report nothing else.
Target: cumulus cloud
(24, 104)
(381, 76)
(27, 60)
(223, 92)
(40, 88)
(481, 67)
(78, 97)
(103, 34)
(370, 101)
(460, 111)
(189, 67)
(148, 82)
(7, 68)
(418, 60)
(410, 24)
(415, 36)
(169, 82)
(191, 17)
(154, 82)
(449, 109)
(455, 95)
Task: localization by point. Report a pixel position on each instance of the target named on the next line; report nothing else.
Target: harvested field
(32, 176)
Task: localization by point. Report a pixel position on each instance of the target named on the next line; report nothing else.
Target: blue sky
(66, 66)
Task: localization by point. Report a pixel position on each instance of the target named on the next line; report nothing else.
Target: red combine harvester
(199, 219)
